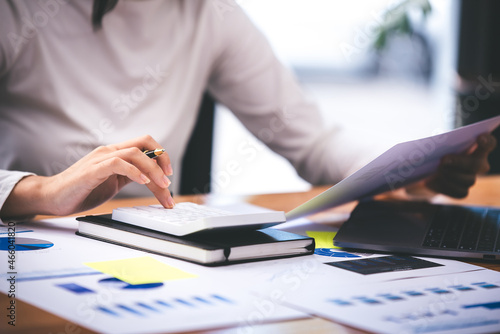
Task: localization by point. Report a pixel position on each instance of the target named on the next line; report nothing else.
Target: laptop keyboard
(473, 229)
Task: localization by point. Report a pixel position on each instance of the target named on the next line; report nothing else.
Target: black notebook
(204, 248)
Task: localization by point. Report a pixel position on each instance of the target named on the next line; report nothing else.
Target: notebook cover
(204, 240)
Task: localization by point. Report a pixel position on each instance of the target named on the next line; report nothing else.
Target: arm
(248, 78)
(91, 181)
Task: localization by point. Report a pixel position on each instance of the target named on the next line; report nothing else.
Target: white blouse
(65, 89)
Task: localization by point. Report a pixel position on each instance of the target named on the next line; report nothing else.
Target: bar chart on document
(144, 306)
(108, 304)
(464, 303)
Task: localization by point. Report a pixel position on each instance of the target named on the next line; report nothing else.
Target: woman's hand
(93, 180)
(458, 172)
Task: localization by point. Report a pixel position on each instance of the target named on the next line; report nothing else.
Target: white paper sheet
(402, 164)
(453, 303)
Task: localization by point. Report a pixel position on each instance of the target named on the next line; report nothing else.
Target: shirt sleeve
(8, 180)
(267, 99)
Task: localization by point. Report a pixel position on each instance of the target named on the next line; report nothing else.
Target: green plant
(397, 20)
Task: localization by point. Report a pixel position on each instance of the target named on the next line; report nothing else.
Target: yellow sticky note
(140, 270)
(323, 239)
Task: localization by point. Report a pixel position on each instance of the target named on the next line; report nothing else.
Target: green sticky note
(140, 270)
(323, 239)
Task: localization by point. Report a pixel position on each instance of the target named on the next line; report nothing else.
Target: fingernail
(145, 179)
(170, 202)
(170, 171)
(166, 180)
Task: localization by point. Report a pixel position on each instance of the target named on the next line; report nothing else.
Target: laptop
(422, 228)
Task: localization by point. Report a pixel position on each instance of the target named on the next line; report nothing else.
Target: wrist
(28, 198)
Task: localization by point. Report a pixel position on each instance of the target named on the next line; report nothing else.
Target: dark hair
(100, 8)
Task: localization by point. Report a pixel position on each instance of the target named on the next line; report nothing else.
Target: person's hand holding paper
(457, 172)
(447, 163)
